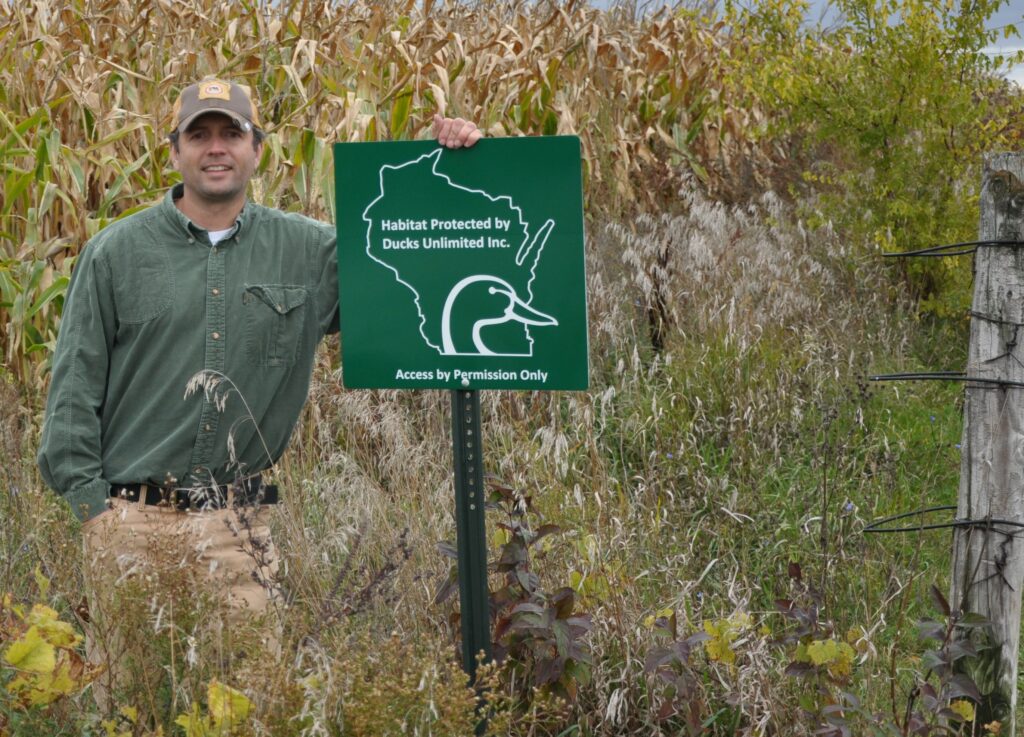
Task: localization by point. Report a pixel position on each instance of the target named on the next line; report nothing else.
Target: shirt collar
(180, 219)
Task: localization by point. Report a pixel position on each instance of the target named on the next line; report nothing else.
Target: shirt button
(215, 291)
(198, 470)
(191, 240)
(206, 427)
(215, 336)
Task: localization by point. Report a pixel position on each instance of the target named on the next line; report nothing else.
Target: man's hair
(258, 135)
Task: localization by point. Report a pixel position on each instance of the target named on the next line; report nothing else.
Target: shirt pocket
(274, 322)
(143, 284)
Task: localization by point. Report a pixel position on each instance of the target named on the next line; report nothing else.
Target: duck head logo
(465, 255)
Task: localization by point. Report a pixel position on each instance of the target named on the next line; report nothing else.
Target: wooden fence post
(988, 558)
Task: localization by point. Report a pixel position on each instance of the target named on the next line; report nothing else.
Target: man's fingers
(456, 132)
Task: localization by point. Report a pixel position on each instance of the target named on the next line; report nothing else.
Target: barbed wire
(988, 523)
(980, 381)
(952, 249)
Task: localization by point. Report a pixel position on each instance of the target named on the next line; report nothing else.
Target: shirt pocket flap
(281, 298)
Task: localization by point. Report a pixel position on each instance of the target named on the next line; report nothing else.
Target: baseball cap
(215, 96)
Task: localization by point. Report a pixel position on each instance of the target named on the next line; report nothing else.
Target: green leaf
(400, 115)
(457, 70)
(59, 286)
(550, 125)
(15, 187)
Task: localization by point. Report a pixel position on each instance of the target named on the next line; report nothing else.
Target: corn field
(87, 90)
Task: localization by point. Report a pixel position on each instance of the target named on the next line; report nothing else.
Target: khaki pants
(176, 558)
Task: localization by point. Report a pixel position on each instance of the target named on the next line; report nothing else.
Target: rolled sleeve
(89, 500)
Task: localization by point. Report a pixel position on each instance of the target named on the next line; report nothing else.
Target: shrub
(899, 101)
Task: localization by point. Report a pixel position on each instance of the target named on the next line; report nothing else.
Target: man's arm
(70, 456)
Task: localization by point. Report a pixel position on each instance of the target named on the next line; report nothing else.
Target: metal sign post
(469, 524)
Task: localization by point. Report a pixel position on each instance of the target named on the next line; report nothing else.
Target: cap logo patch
(214, 91)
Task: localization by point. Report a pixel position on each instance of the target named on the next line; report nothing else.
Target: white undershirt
(216, 236)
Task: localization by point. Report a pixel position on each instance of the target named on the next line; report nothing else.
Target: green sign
(462, 268)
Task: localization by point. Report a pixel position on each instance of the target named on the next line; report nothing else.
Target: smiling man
(183, 361)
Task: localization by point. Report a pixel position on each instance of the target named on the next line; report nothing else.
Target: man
(204, 291)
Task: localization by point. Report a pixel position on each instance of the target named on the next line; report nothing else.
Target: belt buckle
(168, 493)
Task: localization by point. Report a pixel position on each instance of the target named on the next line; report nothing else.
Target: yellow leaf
(193, 722)
(130, 713)
(719, 650)
(41, 614)
(576, 581)
(63, 684)
(31, 653)
(312, 682)
(741, 620)
(963, 708)
(714, 629)
(228, 707)
(39, 689)
(822, 651)
(110, 729)
(42, 582)
(842, 664)
(51, 629)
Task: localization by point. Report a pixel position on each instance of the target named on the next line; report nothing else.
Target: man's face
(216, 159)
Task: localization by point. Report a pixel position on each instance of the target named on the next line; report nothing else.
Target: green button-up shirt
(152, 306)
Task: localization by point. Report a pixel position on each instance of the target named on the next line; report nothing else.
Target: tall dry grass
(685, 479)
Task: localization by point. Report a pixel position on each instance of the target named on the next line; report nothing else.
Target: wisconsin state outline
(471, 285)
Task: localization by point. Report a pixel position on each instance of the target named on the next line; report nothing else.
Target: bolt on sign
(462, 269)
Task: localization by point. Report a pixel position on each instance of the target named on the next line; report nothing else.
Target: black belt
(250, 492)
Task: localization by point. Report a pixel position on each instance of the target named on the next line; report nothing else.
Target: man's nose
(218, 144)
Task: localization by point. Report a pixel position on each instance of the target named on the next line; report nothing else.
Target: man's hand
(456, 132)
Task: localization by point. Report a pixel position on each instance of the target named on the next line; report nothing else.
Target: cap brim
(238, 120)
